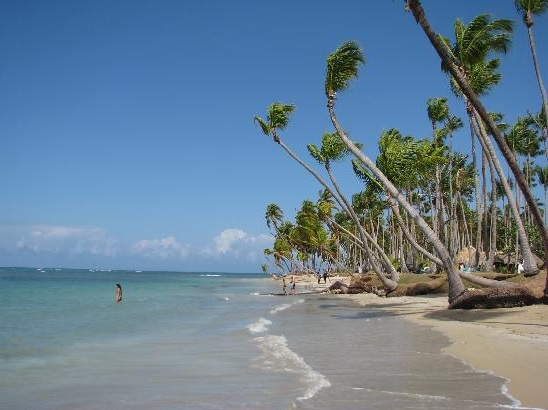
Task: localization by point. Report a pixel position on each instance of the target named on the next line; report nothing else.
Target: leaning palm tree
(420, 17)
(332, 150)
(277, 119)
(529, 8)
(342, 67)
(473, 43)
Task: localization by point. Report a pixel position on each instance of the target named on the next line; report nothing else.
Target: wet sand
(512, 343)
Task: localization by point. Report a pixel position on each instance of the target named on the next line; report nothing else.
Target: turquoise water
(215, 341)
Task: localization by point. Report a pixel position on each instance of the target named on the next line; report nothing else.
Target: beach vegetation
(423, 206)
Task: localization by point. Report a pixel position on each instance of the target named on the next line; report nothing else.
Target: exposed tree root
(491, 298)
(420, 288)
(341, 287)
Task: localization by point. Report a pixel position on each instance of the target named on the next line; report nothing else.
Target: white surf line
(260, 326)
(276, 355)
(285, 306)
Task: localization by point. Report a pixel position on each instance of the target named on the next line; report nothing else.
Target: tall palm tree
(342, 67)
(278, 116)
(542, 174)
(438, 111)
(332, 150)
(472, 44)
(529, 8)
(420, 17)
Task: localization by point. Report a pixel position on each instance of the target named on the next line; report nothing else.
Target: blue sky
(126, 127)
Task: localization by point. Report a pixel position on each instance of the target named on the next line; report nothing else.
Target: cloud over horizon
(56, 244)
(66, 239)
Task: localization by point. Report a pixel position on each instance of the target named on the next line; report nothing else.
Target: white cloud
(236, 242)
(81, 246)
(161, 248)
(229, 239)
(65, 239)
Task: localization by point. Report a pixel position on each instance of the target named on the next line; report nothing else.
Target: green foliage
(342, 67)
(278, 116)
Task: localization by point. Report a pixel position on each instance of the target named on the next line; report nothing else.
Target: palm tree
(274, 215)
(438, 111)
(420, 17)
(528, 8)
(542, 174)
(473, 43)
(277, 119)
(342, 67)
(332, 150)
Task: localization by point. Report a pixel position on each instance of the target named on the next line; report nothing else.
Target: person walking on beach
(324, 276)
(292, 285)
(284, 286)
(118, 293)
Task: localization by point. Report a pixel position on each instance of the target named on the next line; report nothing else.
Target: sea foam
(285, 306)
(277, 356)
(260, 326)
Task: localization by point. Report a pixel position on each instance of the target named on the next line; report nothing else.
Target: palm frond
(264, 126)
(342, 67)
(279, 115)
(316, 153)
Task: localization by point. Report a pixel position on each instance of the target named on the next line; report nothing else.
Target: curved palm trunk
(388, 283)
(456, 287)
(479, 206)
(493, 233)
(408, 236)
(537, 70)
(394, 276)
(529, 264)
(420, 18)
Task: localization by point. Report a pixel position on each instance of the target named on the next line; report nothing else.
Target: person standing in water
(118, 293)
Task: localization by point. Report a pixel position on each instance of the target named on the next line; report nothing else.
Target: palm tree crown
(342, 66)
(278, 115)
(530, 7)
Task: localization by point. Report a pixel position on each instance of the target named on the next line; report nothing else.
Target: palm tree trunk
(408, 236)
(479, 207)
(537, 72)
(389, 284)
(394, 276)
(489, 266)
(420, 18)
(529, 265)
(456, 286)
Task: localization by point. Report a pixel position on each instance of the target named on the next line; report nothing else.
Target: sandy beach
(511, 343)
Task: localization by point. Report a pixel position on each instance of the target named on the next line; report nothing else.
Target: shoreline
(511, 343)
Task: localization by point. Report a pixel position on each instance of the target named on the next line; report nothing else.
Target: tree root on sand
(491, 298)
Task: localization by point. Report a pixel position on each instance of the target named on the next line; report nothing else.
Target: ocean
(185, 340)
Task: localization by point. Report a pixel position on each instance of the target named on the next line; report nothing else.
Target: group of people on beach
(320, 275)
(292, 283)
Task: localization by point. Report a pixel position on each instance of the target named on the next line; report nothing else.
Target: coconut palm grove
(468, 223)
